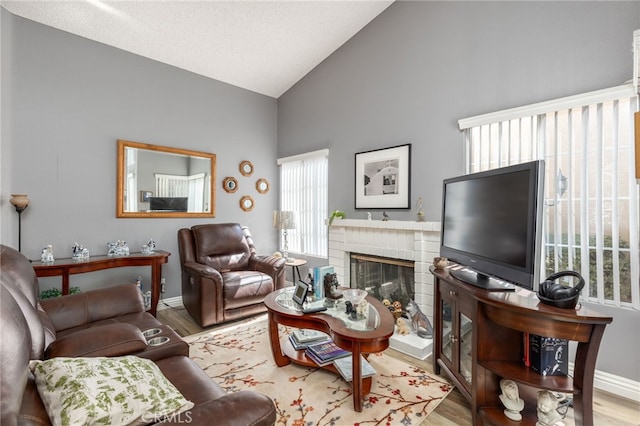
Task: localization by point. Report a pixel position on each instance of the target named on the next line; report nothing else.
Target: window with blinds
(304, 190)
(591, 195)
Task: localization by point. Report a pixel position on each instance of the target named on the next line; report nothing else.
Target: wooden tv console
(479, 340)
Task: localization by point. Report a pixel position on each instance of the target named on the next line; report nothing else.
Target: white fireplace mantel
(414, 241)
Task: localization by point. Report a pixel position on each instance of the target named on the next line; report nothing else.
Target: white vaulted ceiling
(262, 46)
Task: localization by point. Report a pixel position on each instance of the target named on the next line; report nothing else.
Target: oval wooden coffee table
(360, 337)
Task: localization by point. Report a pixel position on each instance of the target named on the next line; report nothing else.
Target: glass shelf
(337, 309)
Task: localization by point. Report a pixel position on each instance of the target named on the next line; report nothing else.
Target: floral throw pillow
(106, 391)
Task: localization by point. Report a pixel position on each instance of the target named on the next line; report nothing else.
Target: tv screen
(490, 226)
(174, 204)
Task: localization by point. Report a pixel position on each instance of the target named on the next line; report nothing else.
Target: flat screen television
(491, 226)
(173, 204)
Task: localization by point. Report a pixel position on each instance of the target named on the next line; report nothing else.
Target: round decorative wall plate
(246, 168)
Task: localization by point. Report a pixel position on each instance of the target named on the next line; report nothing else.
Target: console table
(479, 339)
(69, 266)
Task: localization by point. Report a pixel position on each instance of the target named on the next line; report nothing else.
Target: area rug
(239, 357)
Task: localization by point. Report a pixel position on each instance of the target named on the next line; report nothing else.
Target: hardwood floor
(609, 410)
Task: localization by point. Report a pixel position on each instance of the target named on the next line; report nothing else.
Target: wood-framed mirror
(230, 184)
(262, 186)
(246, 203)
(156, 181)
(246, 168)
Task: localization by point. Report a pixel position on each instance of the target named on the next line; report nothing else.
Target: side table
(69, 266)
(295, 268)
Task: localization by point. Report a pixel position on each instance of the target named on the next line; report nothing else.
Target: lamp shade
(284, 220)
(19, 201)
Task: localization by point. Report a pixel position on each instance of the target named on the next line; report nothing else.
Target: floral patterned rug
(239, 357)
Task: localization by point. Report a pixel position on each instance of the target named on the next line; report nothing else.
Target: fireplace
(415, 242)
(382, 277)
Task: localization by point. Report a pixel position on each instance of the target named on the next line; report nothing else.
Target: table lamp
(284, 220)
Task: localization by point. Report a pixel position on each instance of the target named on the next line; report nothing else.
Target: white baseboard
(616, 385)
(173, 302)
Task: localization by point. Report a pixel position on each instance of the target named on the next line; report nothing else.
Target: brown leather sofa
(105, 322)
(223, 278)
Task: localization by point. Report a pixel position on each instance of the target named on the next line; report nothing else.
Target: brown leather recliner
(104, 322)
(223, 278)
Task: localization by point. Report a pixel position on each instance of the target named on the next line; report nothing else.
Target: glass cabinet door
(447, 332)
(466, 337)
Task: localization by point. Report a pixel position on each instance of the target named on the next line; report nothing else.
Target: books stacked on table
(325, 353)
(344, 366)
(303, 338)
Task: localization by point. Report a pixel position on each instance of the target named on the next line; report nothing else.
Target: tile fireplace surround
(414, 241)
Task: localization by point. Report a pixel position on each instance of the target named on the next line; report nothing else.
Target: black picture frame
(383, 178)
(300, 292)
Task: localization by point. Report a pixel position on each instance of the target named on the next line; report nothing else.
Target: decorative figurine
(397, 309)
(547, 405)
(331, 287)
(511, 399)
(119, 248)
(402, 326)
(368, 215)
(385, 216)
(149, 247)
(440, 262)
(420, 324)
(47, 254)
(350, 310)
(362, 309)
(79, 252)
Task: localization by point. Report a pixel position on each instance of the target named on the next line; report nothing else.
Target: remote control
(313, 310)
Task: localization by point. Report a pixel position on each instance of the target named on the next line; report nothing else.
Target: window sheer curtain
(304, 190)
(591, 196)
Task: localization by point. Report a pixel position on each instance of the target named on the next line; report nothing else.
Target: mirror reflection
(158, 181)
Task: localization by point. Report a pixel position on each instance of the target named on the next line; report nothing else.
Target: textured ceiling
(262, 46)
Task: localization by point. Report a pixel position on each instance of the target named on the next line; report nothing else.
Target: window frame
(301, 193)
(543, 116)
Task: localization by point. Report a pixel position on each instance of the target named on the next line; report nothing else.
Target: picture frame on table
(300, 293)
(383, 178)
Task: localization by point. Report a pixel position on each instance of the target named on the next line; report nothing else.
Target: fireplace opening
(384, 278)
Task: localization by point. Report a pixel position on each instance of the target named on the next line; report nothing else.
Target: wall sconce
(20, 202)
(284, 220)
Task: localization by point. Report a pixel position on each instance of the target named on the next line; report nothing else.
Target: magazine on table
(328, 350)
(318, 361)
(344, 366)
(305, 335)
(300, 346)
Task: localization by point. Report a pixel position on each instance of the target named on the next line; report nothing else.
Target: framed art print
(383, 178)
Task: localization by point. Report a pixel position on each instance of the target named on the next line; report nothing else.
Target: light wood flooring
(609, 410)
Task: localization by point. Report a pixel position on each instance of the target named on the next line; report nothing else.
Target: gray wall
(65, 102)
(420, 66)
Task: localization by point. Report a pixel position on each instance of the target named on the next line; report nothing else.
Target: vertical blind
(192, 187)
(591, 196)
(304, 190)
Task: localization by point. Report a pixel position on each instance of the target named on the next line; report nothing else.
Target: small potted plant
(336, 214)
